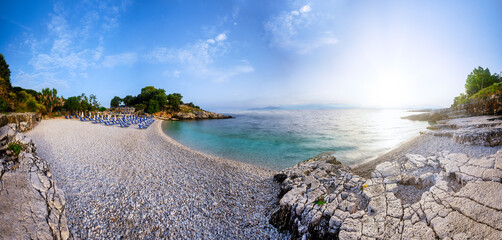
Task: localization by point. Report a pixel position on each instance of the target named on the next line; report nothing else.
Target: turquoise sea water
(281, 138)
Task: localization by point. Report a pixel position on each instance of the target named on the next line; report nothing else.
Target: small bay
(281, 138)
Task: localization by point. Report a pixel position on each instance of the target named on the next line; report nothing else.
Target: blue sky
(242, 54)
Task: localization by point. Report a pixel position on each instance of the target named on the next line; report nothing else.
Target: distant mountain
(265, 108)
(303, 107)
(317, 107)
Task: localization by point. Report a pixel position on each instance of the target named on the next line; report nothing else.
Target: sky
(229, 55)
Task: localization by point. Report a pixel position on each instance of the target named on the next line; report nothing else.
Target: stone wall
(31, 205)
(22, 121)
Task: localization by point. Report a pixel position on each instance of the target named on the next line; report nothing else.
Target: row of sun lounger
(125, 121)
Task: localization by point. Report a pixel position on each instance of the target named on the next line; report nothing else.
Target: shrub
(320, 201)
(462, 98)
(31, 104)
(16, 147)
(495, 88)
(4, 106)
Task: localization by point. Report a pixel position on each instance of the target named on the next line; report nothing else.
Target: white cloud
(221, 37)
(161, 55)
(196, 54)
(222, 75)
(38, 81)
(71, 48)
(305, 9)
(199, 58)
(127, 59)
(71, 61)
(296, 30)
(169, 74)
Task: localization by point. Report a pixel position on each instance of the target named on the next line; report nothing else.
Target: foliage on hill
(17, 99)
(496, 88)
(151, 100)
(480, 83)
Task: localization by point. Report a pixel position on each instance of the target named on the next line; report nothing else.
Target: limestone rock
(31, 205)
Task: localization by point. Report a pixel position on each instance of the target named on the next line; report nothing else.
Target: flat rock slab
(23, 210)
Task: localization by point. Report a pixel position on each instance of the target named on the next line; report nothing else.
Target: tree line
(17, 99)
(151, 100)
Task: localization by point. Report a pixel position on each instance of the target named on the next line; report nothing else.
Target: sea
(278, 139)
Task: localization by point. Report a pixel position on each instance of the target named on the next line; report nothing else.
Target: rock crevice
(31, 204)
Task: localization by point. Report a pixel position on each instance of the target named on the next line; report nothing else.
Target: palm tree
(49, 99)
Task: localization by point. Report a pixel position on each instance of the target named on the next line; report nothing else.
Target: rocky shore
(191, 115)
(443, 185)
(31, 204)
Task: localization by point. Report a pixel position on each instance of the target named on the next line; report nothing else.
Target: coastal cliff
(434, 188)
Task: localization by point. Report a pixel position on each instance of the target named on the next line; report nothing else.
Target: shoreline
(160, 132)
(132, 183)
(364, 169)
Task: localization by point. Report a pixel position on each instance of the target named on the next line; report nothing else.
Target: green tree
(140, 107)
(50, 99)
(85, 105)
(478, 79)
(4, 106)
(72, 104)
(128, 100)
(152, 107)
(4, 73)
(115, 102)
(93, 101)
(174, 101)
(31, 105)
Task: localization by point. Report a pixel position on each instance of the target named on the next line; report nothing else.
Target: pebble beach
(129, 183)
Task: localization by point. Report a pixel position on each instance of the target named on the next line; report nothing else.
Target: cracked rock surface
(415, 195)
(480, 130)
(31, 205)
